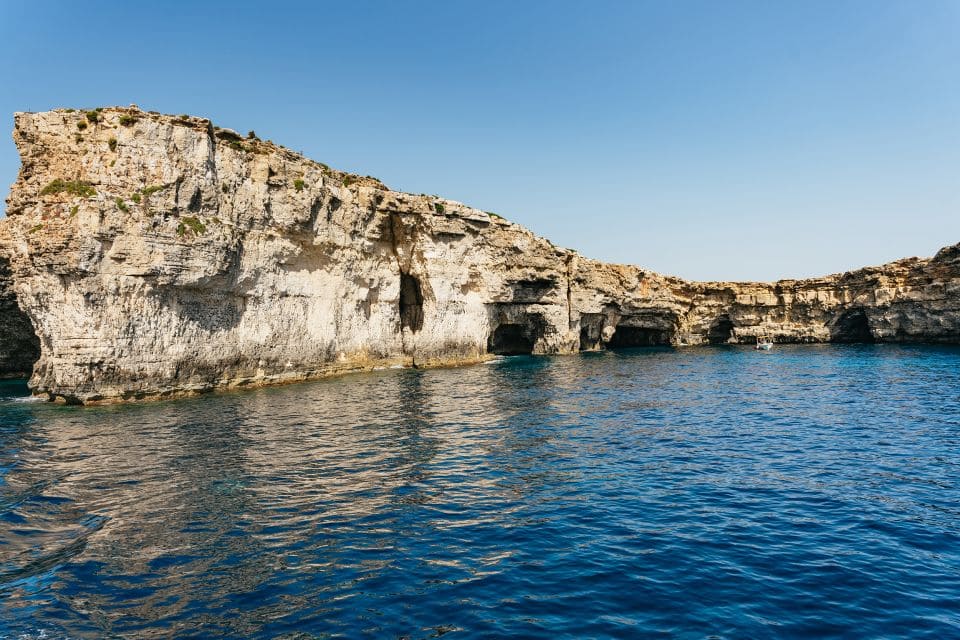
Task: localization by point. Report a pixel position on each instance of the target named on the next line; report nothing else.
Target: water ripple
(806, 492)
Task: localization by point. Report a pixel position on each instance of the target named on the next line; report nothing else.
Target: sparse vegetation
(74, 209)
(224, 188)
(191, 223)
(149, 191)
(35, 228)
(69, 110)
(93, 117)
(73, 187)
(136, 198)
(494, 215)
(298, 184)
(227, 135)
(348, 180)
(252, 135)
(127, 120)
(122, 205)
(82, 125)
(438, 207)
(112, 143)
(77, 138)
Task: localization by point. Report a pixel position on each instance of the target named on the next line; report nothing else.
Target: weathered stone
(159, 256)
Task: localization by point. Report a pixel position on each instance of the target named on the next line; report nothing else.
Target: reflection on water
(805, 491)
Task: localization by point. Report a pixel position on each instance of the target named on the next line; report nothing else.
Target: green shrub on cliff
(126, 120)
(348, 180)
(298, 184)
(93, 117)
(112, 143)
(73, 187)
(81, 125)
(149, 191)
(438, 207)
(191, 223)
(122, 205)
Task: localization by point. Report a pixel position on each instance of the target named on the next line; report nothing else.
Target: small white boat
(764, 343)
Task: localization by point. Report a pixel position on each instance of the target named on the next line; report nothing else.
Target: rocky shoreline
(156, 256)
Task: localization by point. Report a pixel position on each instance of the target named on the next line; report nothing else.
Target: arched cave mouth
(627, 336)
(19, 344)
(591, 331)
(720, 331)
(852, 326)
(510, 340)
(411, 303)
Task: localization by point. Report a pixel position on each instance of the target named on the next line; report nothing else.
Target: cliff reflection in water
(297, 483)
(531, 496)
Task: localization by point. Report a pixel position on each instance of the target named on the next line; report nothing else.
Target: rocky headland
(146, 256)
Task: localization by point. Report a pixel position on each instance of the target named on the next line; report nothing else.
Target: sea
(811, 491)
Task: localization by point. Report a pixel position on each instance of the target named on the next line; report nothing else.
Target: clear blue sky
(712, 140)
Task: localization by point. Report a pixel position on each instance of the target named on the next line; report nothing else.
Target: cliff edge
(158, 255)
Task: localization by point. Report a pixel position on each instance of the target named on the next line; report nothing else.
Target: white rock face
(158, 255)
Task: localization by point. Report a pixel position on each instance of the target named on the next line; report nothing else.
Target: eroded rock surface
(159, 255)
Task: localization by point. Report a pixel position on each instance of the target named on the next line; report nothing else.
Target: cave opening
(510, 340)
(19, 344)
(720, 331)
(411, 303)
(852, 326)
(591, 331)
(628, 336)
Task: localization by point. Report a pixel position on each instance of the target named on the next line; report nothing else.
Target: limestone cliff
(159, 255)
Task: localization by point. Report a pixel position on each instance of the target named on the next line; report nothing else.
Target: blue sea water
(806, 492)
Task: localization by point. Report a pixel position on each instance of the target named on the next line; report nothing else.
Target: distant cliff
(159, 255)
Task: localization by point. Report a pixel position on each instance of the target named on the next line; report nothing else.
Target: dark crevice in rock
(533, 290)
(315, 208)
(196, 200)
(19, 344)
(411, 303)
(333, 206)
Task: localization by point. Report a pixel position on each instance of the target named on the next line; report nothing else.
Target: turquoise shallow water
(810, 491)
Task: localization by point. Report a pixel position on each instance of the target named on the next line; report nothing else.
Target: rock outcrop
(158, 255)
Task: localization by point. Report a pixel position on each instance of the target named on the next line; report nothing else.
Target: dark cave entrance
(627, 336)
(411, 303)
(19, 344)
(510, 340)
(720, 331)
(852, 326)
(591, 331)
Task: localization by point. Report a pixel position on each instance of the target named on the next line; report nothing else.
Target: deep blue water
(810, 491)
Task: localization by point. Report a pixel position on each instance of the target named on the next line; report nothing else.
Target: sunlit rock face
(158, 255)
